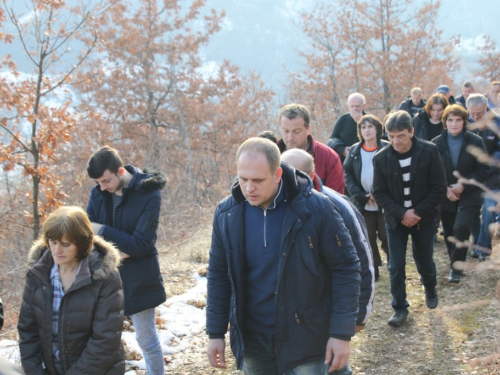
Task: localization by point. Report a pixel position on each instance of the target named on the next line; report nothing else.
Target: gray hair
(262, 146)
(476, 99)
(356, 95)
(416, 90)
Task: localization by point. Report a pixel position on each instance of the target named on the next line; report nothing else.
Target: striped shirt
(58, 294)
(405, 163)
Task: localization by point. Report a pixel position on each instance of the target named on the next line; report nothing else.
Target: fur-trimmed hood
(104, 258)
(146, 182)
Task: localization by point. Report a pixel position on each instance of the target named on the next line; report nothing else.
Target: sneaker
(454, 277)
(398, 318)
(482, 256)
(431, 298)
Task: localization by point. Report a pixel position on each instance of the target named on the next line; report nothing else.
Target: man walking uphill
(409, 183)
(124, 208)
(282, 271)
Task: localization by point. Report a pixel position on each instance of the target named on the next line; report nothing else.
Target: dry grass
(463, 332)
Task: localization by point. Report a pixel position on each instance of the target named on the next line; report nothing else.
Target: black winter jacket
(428, 183)
(90, 315)
(489, 134)
(352, 174)
(468, 167)
(421, 124)
(407, 105)
(318, 275)
(134, 233)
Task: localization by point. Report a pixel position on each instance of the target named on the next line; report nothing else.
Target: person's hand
(356, 115)
(359, 329)
(96, 227)
(371, 198)
(215, 352)
(457, 189)
(451, 195)
(410, 218)
(346, 151)
(337, 352)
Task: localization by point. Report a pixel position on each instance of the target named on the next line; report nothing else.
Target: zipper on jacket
(297, 320)
(265, 225)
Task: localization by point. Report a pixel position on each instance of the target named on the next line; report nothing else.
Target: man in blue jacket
(283, 272)
(124, 208)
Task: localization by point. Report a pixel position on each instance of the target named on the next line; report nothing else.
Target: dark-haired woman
(427, 123)
(358, 174)
(72, 311)
(463, 202)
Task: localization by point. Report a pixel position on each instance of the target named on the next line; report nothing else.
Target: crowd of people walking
(296, 247)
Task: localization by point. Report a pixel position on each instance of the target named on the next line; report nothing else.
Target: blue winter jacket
(134, 233)
(317, 291)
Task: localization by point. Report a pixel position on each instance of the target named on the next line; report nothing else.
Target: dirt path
(447, 340)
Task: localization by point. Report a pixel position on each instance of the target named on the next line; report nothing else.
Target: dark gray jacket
(90, 315)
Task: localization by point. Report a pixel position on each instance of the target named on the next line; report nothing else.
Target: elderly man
(467, 89)
(345, 131)
(486, 124)
(413, 103)
(295, 125)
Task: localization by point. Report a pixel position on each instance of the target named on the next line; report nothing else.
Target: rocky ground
(460, 337)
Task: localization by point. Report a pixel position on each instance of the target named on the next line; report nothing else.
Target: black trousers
(457, 225)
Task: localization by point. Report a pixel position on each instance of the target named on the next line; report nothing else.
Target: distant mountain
(263, 35)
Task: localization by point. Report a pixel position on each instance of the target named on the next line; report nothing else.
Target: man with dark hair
(295, 127)
(124, 208)
(409, 184)
(413, 103)
(345, 131)
(467, 89)
(283, 272)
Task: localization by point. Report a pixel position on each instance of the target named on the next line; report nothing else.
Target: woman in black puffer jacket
(427, 123)
(463, 201)
(72, 311)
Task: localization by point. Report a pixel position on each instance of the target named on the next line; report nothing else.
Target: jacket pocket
(309, 252)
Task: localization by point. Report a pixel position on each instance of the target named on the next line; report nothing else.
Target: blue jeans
(488, 218)
(260, 359)
(145, 333)
(423, 248)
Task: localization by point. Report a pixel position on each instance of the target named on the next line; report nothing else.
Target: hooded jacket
(134, 233)
(317, 291)
(90, 315)
(468, 167)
